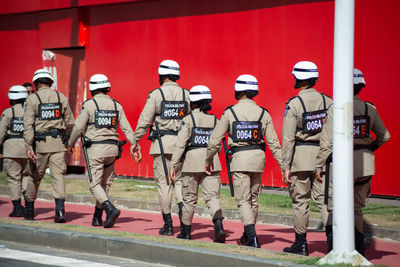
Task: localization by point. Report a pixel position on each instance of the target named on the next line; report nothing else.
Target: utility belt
(13, 136)
(153, 134)
(88, 143)
(358, 147)
(53, 132)
(307, 143)
(233, 150)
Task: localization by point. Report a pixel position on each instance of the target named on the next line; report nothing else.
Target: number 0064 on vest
(246, 131)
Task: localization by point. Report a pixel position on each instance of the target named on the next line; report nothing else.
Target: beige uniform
(300, 145)
(169, 91)
(54, 115)
(189, 151)
(98, 129)
(246, 166)
(364, 160)
(15, 158)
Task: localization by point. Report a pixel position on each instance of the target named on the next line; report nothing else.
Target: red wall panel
(214, 42)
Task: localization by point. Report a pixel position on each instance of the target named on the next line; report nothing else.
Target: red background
(214, 41)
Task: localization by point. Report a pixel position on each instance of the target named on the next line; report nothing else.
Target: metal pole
(343, 194)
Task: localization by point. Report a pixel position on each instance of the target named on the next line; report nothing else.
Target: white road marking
(47, 259)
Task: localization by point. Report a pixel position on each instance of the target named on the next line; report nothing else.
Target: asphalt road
(16, 255)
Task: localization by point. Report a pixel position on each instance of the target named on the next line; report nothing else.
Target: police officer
(48, 120)
(246, 123)
(303, 121)
(190, 148)
(11, 136)
(366, 119)
(99, 119)
(165, 106)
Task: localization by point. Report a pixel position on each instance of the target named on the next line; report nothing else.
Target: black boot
(29, 210)
(359, 241)
(185, 232)
(252, 240)
(180, 206)
(18, 210)
(299, 246)
(111, 212)
(244, 238)
(60, 211)
(98, 213)
(220, 234)
(167, 228)
(329, 237)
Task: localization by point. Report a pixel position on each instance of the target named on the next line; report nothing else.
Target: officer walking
(304, 118)
(366, 119)
(165, 108)
(48, 120)
(99, 119)
(190, 148)
(11, 136)
(246, 123)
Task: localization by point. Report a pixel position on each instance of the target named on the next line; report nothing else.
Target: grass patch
(382, 215)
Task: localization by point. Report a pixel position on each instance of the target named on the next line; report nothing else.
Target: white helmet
(358, 77)
(305, 70)
(168, 67)
(199, 92)
(98, 81)
(246, 82)
(42, 73)
(17, 92)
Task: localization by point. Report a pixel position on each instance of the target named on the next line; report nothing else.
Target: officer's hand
(209, 167)
(1, 156)
(70, 149)
(135, 152)
(172, 175)
(318, 177)
(286, 177)
(31, 155)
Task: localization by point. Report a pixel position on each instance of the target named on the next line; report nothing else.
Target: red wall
(214, 42)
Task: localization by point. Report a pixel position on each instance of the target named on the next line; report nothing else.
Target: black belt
(233, 150)
(362, 181)
(13, 136)
(53, 133)
(358, 147)
(168, 132)
(194, 147)
(107, 142)
(307, 143)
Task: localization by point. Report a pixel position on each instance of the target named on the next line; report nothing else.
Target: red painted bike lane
(271, 237)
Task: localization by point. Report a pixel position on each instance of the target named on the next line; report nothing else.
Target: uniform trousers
(247, 187)
(211, 189)
(165, 190)
(304, 187)
(360, 201)
(103, 175)
(18, 174)
(56, 163)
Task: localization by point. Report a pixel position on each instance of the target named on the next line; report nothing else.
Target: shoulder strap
(234, 114)
(262, 114)
(95, 102)
(58, 96)
(194, 123)
(323, 99)
(38, 97)
(183, 94)
(162, 94)
(215, 121)
(12, 109)
(366, 109)
(302, 103)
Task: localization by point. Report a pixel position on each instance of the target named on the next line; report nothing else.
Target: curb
(147, 251)
(267, 218)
